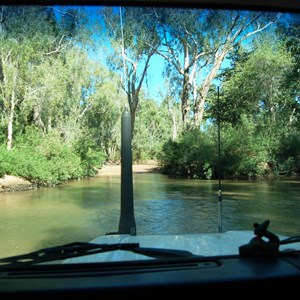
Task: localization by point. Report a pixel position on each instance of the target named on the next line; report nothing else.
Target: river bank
(108, 170)
(9, 183)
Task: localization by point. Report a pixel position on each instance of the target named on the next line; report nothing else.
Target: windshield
(167, 127)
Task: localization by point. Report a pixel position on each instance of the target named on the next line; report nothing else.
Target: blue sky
(155, 79)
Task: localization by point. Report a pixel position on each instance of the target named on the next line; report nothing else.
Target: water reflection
(82, 210)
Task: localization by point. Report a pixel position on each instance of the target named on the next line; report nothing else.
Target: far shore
(108, 170)
(9, 183)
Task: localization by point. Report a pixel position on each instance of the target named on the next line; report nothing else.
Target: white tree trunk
(10, 123)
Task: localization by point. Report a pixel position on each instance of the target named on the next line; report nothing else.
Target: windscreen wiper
(82, 249)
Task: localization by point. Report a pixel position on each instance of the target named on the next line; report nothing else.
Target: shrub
(191, 155)
(46, 160)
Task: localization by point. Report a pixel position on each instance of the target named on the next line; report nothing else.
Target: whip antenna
(219, 166)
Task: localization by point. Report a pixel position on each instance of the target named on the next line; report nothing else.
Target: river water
(82, 210)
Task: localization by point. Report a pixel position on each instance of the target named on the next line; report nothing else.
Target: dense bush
(193, 155)
(289, 154)
(91, 159)
(46, 160)
(245, 152)
(242, 154)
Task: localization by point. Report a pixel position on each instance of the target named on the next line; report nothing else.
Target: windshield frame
(255, 5)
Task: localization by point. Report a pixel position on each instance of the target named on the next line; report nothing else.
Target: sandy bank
(10, 183)
(116, 169)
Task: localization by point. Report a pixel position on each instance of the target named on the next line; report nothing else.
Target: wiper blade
(82, 249)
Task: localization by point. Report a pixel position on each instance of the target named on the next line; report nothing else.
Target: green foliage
(193, 155)
(256, 86)
(47, 160)
(152, 130)
(242, 154)
(102, 122)
(247, 150)
(91, 159)
(258, 111)
(291, 35)
(289, 154)
(44, 160)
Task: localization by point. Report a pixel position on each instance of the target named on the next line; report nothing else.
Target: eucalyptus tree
(172, 106)
(35, 42)
(195, 44)
(23, 34)
(291, 36)
(102, 123)
(59, 94)
(152, 129)
(183, 46)
(257, 87)
(134, 40)
(255, 97)
(61, 81)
